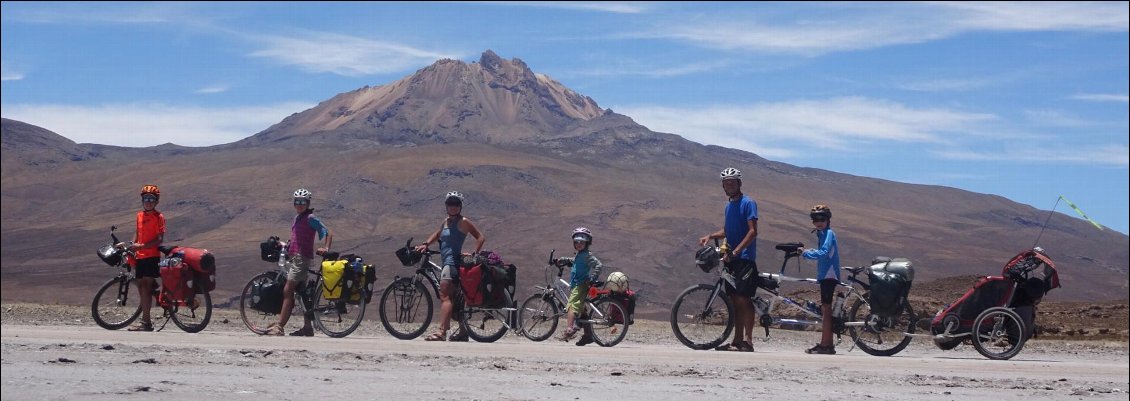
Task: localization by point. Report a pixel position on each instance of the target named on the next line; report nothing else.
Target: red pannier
(202, 263)
(177, 280)
(471, 281)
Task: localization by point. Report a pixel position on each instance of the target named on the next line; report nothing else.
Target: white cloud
(780, 129)
(790, 130)
(618, 7)
(101, 13)
(1109, 16)
(212, 89)
(8, 73)
(345, 55)
(1110, 155)
(1102, 97)
(1058, 118)
(139, 125)
(629, 68)
(948, 85)
(826, 28)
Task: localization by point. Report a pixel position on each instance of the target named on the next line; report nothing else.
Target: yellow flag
(1097, 225)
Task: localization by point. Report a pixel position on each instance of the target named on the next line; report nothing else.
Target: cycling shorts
(828, 290)
(148, 267)
(745, 277)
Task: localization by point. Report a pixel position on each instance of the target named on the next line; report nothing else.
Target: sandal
(141, 326)
(437, 336)
(568, 334)
(274, 330)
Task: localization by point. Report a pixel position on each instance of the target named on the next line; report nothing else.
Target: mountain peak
(490, 60)
(492, 101)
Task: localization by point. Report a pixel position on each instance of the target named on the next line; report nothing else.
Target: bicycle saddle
(790, 247)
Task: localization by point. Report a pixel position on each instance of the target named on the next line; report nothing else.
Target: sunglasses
(148, 198)
(301, 202)
(454, 204)
(819, 220)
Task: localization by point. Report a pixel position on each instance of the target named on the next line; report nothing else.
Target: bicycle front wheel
(195, 316)
(406, 308)
(336, 317)
(256, 321)
(702, 317)
(608, 322)
(880, 335)
(487, 325)
(538, 317)
(114, 306)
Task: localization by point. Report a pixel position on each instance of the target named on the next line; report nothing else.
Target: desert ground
(57, 352)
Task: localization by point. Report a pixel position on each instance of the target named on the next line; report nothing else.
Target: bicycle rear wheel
(487, 325)
(607, 322)
(880, 335)
(194, 317)
(538, 317)
(702, 318)
(336, 317)
(406, 308)
(114, 306)
(256, 321)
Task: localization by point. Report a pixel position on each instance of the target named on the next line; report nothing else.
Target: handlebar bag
(269, 250)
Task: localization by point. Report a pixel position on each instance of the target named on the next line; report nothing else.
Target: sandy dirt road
(86, 362)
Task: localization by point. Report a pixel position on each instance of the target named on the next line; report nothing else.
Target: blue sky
(1024, 100)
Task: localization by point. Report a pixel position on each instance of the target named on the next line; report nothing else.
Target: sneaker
(303, 332)
(585, 340)
(141, 326)
(821, 350)
(458, 336)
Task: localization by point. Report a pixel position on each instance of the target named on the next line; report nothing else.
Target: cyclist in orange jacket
(150, 234)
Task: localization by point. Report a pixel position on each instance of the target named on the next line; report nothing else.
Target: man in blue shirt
(739, 255)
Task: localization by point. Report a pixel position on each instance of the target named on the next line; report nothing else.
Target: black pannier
(267, 295)
(890, 281)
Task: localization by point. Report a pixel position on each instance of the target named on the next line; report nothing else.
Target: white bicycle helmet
(731, 173)
(453, 195)
(302, 193)
(582, 234)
